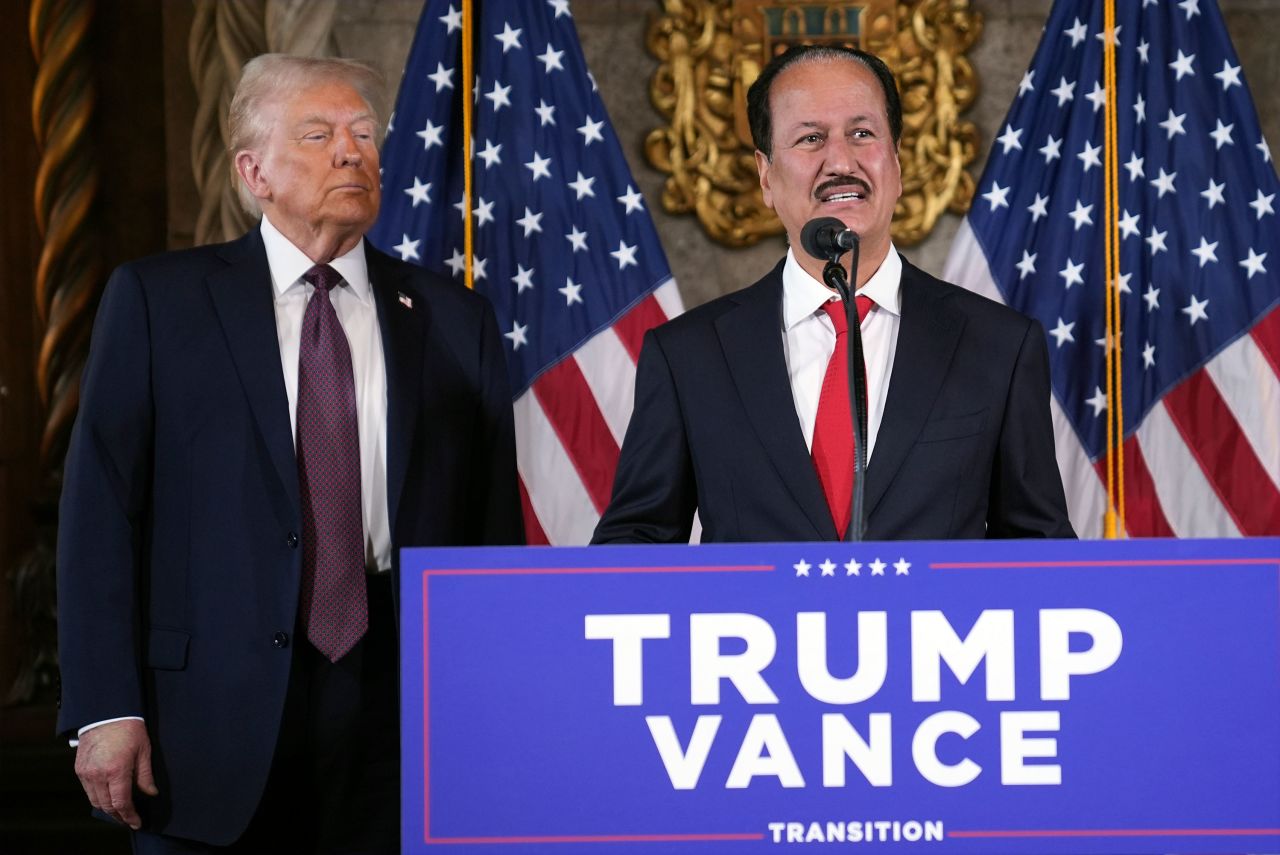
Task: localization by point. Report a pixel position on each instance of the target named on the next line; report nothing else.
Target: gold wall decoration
(710, 52)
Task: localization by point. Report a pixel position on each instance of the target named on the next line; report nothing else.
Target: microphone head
(821, 237)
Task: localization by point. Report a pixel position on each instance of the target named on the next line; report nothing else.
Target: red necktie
(833, 427)
(334, 601)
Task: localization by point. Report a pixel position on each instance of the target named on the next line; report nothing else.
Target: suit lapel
(751, 337)
(242, 297)
(403, 324)
(927, 340)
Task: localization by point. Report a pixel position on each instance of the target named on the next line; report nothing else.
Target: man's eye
(811, 138)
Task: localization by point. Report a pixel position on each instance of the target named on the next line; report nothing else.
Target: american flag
(1199, 264)
(564, 245)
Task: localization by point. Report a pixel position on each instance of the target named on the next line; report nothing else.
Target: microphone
(827, 238)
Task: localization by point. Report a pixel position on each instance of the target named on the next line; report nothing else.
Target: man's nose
(841, 156)
(346, 150)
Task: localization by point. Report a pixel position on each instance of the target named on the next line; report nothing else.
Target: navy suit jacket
(179, 554)
(965, 447)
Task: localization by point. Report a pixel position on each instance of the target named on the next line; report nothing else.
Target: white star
(491, 154)
(1009, 139)
(997, 196)
(1148, 356)
(901, 567)
(625, 255)
(1098, 97)
(1110, 35)
(1191, 7)
(523, 279)
(1195, 310)
(1262, 204)
(1156, 241)
(1039, 207)
(442, 78)
(452, 19)
(561, 7)
(877, 567)
(1080, 216)
(1062, 332)
(1077, 32)
(1025, 86)
(510, 38)
(517, 335)
(591, 77)
(1182, 66)
(1129, 225)
(1140, 109)
(391, 122)
(852, 568)
(1098, 401)
(1064, 92)
(802, 568)
(578, 240)
(1253, 263)
(538, 166)
(484, 212)
(1134, 165)
(1229, 75)
(550, 58)
(431, 135)
(530, 222)
(1089, 156)
(1222, 135)
(1052, 150)
(419, 192)
(1164, 183)
(582, 186)
(1265, 149)
(1206, 251)
(1173, 124)
(1152, 298)
(1213, 193)
(572, 292)
(500, 96)
(1122, 283)
(828, 567)
(591, 131)
(1071, 273)
(457, 262)
(1027, 265)
(408, 249)
(1143, 46)
(546, 113)
(477, 267)
(632, 200)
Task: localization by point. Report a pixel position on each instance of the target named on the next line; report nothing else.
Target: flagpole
(1113, 522)
(468, 118)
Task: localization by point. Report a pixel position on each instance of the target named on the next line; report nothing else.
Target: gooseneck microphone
(828, 238)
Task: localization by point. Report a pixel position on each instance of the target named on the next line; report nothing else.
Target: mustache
(843, 181)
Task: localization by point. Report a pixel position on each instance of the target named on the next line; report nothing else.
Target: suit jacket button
(280, 639)
(292, 540)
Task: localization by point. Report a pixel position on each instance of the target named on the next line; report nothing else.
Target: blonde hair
(271, 77)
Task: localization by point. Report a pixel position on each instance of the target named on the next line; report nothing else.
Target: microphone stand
(833, 274)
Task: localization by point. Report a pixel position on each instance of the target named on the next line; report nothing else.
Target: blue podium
(973, 697)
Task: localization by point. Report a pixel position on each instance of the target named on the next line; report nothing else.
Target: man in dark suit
(263, 424)
(741, 409)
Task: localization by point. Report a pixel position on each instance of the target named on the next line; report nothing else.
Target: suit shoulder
(443, 294)
(699, 320)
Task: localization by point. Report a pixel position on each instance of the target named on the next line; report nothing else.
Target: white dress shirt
(809, 338)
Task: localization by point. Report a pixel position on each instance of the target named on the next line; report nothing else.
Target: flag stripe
(1251, 389)
(1143, 516)
(1267, 335)
(566, 400)
(558, 498)
(1224, 454)
(610, 371)
(533, 533)
(1086, 494)
(632, 326)
(668, 297)
(1190, 503)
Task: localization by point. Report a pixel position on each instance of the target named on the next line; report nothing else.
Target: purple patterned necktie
(334, 600)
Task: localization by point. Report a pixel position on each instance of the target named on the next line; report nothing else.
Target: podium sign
(994, 697)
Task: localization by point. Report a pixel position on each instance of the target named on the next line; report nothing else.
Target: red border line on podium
(1120, 832)
(1145, 562)
(568, 571)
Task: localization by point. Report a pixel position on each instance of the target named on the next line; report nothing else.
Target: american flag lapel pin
(405, 300)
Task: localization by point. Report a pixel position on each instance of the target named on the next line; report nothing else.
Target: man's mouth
(844, 191)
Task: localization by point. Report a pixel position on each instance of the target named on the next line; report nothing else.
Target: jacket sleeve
(1027, 499)
(654, 489)
(101, 532)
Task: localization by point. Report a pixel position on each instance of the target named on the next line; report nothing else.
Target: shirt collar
(288, 263)
(802, 295)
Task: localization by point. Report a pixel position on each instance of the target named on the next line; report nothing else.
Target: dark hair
(760, 115)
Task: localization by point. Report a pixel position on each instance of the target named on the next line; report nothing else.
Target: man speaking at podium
(263, 424)
(742, 410)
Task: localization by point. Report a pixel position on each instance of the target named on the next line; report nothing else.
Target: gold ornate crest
(712, 50)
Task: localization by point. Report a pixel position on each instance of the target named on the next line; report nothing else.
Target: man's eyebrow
(317, 119)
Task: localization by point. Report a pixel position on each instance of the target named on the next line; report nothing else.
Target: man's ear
(249, 166)
(762, 166)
